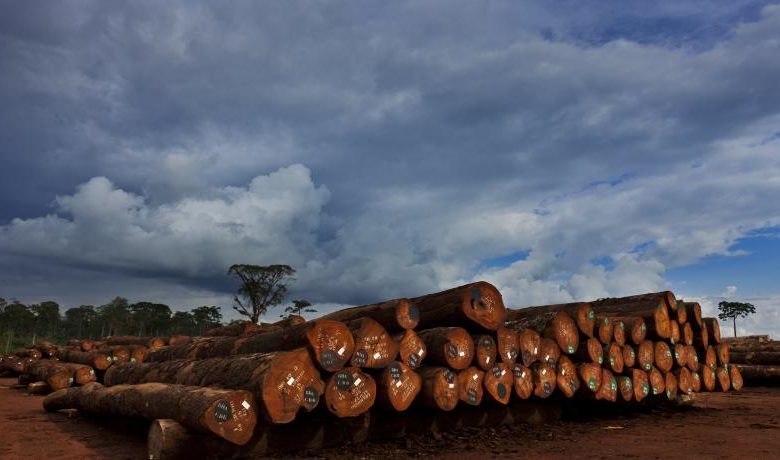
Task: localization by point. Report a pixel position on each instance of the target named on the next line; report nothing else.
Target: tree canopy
(262, 287)
(734, 310)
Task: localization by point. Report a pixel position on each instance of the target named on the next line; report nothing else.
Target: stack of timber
(436, 362)
(757, 357)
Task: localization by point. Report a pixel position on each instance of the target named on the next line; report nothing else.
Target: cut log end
(615, 357)
(619, 331)
(291, 383)
(645, 355)
(608, 389)
(625, 388)
(508, 344)
(523, 381)
(663, 356)
(713, 327)
(723, 353)
(565, 332)
(350, 392)
(530, 345)
(670, 386)
(232, 417)
(567, 380)
(483, 304)
(723, 378)
(407, 314)
(449, 346)
(687, 334)
(374, 347)
(331, 342)
(629, 356)
(675, 335)
(545, 380)
(499, 382)
(439, 388)
(641, 382)
(398, 386)
(411, 348)
(604, 329)
(470, 385)
(708, 377)
(586, 319)
(590, 375)
(735, 376)
(657, 380)
(550, 352)
(484, 351)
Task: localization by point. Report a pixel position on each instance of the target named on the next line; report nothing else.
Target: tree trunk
(229, 414)
(581, 312)
(652, 308)
(713, 327)
(97, 360)
(283, 382)
(51, 372)
(555, 324)
(735, 326)
(472, 305)
(448, 346)
(330, 342)
(82, 374)
(394, 315)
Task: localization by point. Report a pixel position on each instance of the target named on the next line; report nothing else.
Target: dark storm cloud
(422, 137)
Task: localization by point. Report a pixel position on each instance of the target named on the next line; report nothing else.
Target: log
(394, 315)
(47, 349)
(736, 378)
(530, 345)
(604, 329)
(608, 389)
(701, 338)
(38, 388)
(557, 325)
(53, 373)
(711, 357)
(545, 379)
(692, 359)
(614, 357)
(235, 329)
(694, 314)
(549, 352)
(759, 375)
(397, 386)
(523, 381)
(29, 353)
(679, 355)
(653, 308)
(657, 380)
(448, 346)
(758, 347)
(708, 377)
(138, 353)
(713, 327)
(484, 351)
(411, 348)
(723, 377)
(634, 328)
(566, 378)
(591, 351)
(771, 358)
(684, 380)
(696, 383)
(476, 304)
(283, 382)
(747, 340)
(581, 312)
(508, 344)
(499, 381)
(117, 353)
(82, 374)
(330, 343)
(619, 332)
(87, 345)
(723, 353)
(681, 314)
(153, 343)
(676, 334)
(178, 340)
(645, 355)
(439, 388)
(289, 321)
(663, 356)
(590, 374)
(687, 334)
(14, 364)
(625, 388)
(670, 386)
(229, 414)
(374, 347)
(629, 356)
(470, 385)
(95, 359)
(350, 392)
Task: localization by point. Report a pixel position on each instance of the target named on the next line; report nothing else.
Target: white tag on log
(290, 381)
(357, 381)
(461, 353)
(487, 360)
(399, 383)
(475, 377)
(246, 405)
(377, 355)
(451, 385)
(341, 350)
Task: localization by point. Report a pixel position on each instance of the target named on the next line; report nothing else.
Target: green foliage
(734, 310)
(299, 307)
(261, 287)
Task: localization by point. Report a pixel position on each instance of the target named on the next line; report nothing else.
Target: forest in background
(22, 324)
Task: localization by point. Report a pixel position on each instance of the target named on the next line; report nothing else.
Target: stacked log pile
(757, 357)
(449, 359)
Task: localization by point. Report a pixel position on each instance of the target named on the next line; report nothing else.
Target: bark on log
(284, 382)
(473, 304)
(14, 364)
(653, 308)
(499, 381)
(771, 358)
(179, 340)
(470, 385)
(484, 351)
(714, 329)
(411, 348)
(235, 329)
(350, 392)
(29, 353)
(330, 342)
(694, 314)
(448, 346)
(523, 381)
(374, 347)
(51, 372)
(95, 359)
(507, 344)
(47, 349)
(530, 345)
(645, 355)
(566, 379)
(581, 312)
(394, 315)
(229, 414)
(153, 343)
(545, 379)
(759, 375)
(439, 388)
(557, 325)
(397, 386)
(747, 340)
(38, 388)
(82, 374)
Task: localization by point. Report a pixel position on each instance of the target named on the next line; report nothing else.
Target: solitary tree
(261, 287)
(735, 310)
(298, 308)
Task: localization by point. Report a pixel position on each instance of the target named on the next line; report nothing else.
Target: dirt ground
(733, 425)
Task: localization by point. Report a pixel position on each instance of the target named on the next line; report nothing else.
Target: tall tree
(206, 318)
(47, 318)
(261, 287)
(299, 307)
(115, 316)
(734, 310)
(79, 320)
(150, 318)
(182, 322)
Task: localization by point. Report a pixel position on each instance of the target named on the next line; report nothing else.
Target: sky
(560, 150)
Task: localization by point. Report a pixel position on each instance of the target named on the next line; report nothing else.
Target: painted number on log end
(223, 412)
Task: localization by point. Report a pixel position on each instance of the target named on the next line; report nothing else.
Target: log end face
(407, 314)
(458, 348)
(232, 417)
(350, 392)
(499, 382)
(483, 304)
(523, 381)
(332, 343)
(586, 319)
(567, 332)
(292, 382)
(401, 385)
